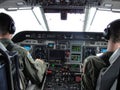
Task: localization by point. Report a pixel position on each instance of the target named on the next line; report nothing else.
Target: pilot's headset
(8, 21)
(107, 30)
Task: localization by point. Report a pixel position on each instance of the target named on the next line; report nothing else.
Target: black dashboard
(64, 52)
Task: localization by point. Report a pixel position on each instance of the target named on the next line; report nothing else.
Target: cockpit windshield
(35, 19)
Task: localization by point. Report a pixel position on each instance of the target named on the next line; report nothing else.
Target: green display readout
(76, 48)
(76, 57)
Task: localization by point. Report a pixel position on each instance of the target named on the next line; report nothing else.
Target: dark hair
(113, 31)
(6, 24)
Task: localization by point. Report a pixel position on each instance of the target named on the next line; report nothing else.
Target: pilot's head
(112, 32)
(7, 25)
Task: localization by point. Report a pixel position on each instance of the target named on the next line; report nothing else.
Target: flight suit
(29, 69)
(91, 69)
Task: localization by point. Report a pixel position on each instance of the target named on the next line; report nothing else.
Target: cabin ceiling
(112, 5)
(12, 3)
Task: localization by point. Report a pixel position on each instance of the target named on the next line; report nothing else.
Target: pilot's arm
(34, 69)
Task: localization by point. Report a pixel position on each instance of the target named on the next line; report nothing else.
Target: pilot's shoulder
(20, 49)
(94, 60)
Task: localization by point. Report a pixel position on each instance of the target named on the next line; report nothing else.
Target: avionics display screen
(76, 57)
(50, 45)
(56, 54)
(102, 50)
(76, 48)
(27, 47)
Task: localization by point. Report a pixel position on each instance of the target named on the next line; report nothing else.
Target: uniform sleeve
(34, 69)
(91, 69)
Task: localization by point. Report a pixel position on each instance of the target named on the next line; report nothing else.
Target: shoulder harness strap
(105, 57)
(10, 47)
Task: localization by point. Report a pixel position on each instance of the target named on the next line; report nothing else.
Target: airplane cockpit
(65, 45)
(64, 52)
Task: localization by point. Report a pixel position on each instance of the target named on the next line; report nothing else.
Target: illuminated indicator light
(53, 65)
(77, 78)
(49, 72)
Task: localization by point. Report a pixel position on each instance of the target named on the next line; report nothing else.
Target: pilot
(93, 64)
(32, 70)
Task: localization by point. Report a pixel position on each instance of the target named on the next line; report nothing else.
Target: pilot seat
(109, 78)
(9, 75)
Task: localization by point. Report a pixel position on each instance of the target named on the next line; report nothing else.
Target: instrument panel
(64, 52)
(65, 46)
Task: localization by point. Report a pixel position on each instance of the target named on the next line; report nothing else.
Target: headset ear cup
(12, 28)
(107, 33)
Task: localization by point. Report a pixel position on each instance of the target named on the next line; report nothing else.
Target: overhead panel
(69, 6)
(12, 3)
(93, 2)
(1, 1)
(76, 6)
(113, 5)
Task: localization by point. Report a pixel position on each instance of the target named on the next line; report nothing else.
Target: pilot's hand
(40, 60)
